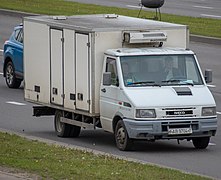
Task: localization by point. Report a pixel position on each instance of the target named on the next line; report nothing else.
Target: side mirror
(107, 78)
(208, 75)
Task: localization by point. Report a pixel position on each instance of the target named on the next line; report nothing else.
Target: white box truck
(135, 78)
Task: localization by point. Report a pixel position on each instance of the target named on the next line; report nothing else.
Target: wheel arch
(7, 59)
(116, 118)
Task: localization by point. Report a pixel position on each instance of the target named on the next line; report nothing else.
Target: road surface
(16, 115)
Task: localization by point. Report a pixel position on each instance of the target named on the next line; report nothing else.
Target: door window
(111, 67)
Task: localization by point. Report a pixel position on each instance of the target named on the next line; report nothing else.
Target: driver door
(109, 95)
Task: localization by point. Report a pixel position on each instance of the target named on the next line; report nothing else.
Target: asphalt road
(195, 8)
(16, 115)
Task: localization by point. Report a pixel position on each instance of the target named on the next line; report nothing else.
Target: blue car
(13, 58)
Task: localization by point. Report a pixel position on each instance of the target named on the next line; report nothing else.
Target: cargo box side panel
(69, 69)
(103, 42)
(36, 62)
(178, 38)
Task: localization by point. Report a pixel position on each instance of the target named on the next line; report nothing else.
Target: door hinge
(63, 96)
(89, 44)
(89, 101)
(62, 39)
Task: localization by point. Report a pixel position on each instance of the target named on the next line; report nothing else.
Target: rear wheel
(11, 80)
(61, 129)
(201, 142)
(75, 131)
(122, 139)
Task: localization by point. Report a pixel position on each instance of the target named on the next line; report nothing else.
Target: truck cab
(156, 93)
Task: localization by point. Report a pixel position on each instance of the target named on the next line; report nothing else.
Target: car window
(16, 33)
(111, 67)
(19, 35)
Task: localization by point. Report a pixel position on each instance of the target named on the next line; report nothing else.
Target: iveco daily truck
(132, 77)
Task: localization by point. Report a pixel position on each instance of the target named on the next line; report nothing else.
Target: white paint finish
(36, 61)
(15, 103)
(1, 73)
(69, 67)
(218, 113)
(1, 50)
(56, 66)
(166, 97)
(105, 38)
(82, 72)
(109, 101)
(111, 40)
(210, 15)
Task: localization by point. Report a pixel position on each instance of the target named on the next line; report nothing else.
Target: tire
(75, 131)
(61, 129)
(10, 79)
(201, 142)
(123, 142)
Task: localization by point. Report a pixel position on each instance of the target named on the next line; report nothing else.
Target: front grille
(179, 112)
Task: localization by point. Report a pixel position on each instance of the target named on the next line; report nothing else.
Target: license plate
(180, 131)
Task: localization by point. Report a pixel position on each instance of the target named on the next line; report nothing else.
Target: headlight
(145, 113)
(208, 111)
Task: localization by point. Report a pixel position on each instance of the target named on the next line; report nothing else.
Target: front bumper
(158, 129)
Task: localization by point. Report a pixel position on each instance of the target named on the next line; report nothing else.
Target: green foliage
(198, 26)
(56, 162)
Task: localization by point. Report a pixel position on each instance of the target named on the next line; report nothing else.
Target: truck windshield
(160, 70)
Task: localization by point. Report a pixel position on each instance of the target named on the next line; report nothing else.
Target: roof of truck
(147, 51)
(102, 22)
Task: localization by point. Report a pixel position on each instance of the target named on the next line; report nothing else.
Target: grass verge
(198, 26)
(55, 162)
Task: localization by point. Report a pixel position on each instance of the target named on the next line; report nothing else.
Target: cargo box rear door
(82, 72)
(56, 49)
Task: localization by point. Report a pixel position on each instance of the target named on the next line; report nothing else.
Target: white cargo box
(63, 56)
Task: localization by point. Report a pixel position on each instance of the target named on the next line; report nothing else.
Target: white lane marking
(203, 7)
(212, 144)
(218, 113)
(209, 15)
(15, 103)
(211, 85)
(131, 6)
(1, 73)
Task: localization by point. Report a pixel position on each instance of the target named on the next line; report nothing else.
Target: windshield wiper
(148, 83)
(186, 82)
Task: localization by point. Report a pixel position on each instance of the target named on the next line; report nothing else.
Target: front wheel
(201, 142)
(122, 139)
(10, 78)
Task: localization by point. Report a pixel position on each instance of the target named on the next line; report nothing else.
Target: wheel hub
(9, 74)
(121, 135)
(59, 124)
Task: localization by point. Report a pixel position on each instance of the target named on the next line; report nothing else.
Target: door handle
(103, 90)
